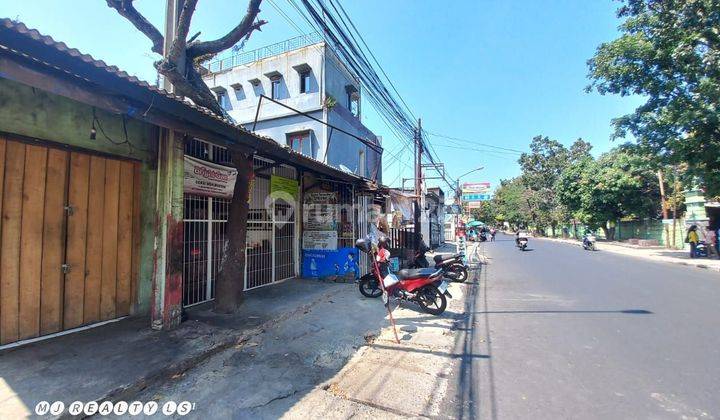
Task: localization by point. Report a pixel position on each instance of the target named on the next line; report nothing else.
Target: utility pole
(663, 203)
(418, 182)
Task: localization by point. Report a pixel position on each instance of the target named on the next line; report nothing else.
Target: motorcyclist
(588, 232)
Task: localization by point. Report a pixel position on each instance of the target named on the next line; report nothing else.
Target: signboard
(474, 204)
(476, 197)
(320, 239)
(320, 211)
(279, 184)
(475, 187)
(208, 179)
(322, 263)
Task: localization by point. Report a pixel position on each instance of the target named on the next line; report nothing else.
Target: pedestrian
(711, 242)
(692, 238)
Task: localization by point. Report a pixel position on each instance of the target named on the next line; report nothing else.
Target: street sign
(476, 197)
(475, 187)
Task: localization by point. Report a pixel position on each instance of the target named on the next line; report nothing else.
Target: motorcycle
(589, 242)
(424, 286)
(453, 267)
(482, 237)
(419, 259)
(522, 243)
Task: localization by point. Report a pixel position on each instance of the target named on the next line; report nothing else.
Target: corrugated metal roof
(21, 30)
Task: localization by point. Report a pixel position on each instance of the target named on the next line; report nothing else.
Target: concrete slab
(117, 360)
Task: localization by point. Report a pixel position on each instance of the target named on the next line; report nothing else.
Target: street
(558, 332)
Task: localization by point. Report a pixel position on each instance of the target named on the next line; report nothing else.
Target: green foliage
(669, 53)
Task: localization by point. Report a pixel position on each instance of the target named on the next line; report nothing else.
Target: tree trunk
(607, 232)
(231, 275)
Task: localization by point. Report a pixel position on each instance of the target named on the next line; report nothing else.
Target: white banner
(320, 239)
(208, 179)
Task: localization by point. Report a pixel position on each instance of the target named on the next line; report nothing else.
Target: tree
(541, 170)
(486, 212)
(181, 66)
(620, 184)
(511, 202)
(181, 63)
(669, 53)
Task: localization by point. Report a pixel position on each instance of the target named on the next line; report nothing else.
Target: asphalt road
(558, 332)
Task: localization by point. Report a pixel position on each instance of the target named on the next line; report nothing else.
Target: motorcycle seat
(414, 273)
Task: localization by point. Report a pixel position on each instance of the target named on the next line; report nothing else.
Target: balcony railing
(264, 52)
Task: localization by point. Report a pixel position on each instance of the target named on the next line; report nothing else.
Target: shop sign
(320, 211)
(208, 179)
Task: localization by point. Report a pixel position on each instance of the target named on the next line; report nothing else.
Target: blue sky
(494, 72)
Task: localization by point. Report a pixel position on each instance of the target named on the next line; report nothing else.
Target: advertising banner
(279, 184)
(475, 187)
(323, 263)
(208, 179)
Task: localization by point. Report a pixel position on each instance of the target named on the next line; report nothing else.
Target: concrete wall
(243, 103)
(37, 114)
(328, 77)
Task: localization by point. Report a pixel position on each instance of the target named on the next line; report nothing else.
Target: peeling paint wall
(41, 115)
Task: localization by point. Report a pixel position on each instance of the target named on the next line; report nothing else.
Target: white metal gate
(271, 252)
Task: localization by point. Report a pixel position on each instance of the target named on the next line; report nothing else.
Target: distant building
(305, 74)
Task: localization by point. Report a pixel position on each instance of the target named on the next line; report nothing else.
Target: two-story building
(317, 108)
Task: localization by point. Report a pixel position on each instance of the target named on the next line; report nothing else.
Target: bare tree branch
(179, 43)
(126, 9)
(244, 29)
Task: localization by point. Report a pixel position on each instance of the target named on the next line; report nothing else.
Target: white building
(305, 74)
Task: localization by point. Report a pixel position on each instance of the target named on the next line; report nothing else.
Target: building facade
(300, 74)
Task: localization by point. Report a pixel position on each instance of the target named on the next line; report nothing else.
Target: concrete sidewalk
(115, 361)
(652, 253)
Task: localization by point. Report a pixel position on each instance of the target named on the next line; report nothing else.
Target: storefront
(272, 245)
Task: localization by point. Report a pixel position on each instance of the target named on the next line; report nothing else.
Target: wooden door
(68, 222)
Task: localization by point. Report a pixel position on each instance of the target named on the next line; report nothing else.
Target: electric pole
(418, 182)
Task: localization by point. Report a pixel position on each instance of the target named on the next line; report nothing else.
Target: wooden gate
(68, 229)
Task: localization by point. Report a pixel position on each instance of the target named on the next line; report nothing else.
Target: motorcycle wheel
(369, 286)
(431, 300)
(459, 273)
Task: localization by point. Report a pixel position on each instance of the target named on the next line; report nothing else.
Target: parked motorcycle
(589, 242)
(453, 267)
(419, 259)
(424, 286)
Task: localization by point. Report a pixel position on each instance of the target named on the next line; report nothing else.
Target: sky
(484, 71)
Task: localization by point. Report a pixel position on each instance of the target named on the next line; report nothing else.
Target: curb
(128, 391)
(679, 262)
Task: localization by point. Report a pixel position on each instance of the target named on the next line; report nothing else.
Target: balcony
(264, 52)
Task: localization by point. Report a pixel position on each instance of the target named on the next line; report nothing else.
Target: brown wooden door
(67, 225)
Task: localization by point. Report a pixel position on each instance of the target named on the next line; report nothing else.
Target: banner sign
(208, 179)
(285, 185)
(320, 239)
(323, 263)
(475, 187)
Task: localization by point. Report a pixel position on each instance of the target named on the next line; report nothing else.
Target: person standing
(711, 242)
(692, 238)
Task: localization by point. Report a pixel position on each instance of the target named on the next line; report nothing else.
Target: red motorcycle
(424, 286)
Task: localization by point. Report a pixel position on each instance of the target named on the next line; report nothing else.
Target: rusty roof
(17, 38)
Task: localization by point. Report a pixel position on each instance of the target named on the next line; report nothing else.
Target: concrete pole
(168, 276)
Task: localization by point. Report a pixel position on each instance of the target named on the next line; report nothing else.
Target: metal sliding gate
(271, 251)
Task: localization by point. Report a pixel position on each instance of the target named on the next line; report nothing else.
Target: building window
(303, 143)
(275, 88)
(354, 103)
(305, 81)
(224, 100)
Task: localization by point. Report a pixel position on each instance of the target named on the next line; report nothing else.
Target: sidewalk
(115, 361)
(652, 253)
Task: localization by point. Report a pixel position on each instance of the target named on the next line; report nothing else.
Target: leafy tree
(669, 53)
(620, 184)
(511, 200)
(486, 213)
(542, 168)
